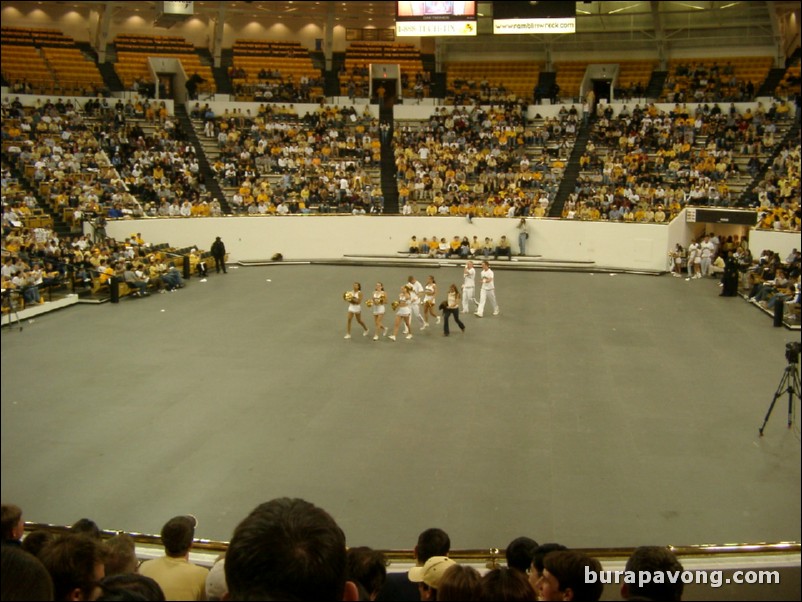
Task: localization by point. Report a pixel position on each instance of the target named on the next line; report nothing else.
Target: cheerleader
(676, 256)
(403, 312)
(355, 310)
(379, 300)
(429, 296)
(694, 261)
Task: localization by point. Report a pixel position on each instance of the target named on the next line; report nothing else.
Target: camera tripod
(789, 383)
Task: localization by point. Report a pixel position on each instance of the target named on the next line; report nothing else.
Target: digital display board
(435, 19)
(534, 17)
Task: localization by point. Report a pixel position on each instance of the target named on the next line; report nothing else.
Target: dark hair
(459, 582)
(541, 552)
(120, 555)
(568, 567)
(86, 526)
(519, 553)
(177, 535)
(71, 560)
(368, 567)
(286, 549)
(506, 584)
(131, 586)
(24, 576)
(655, 559)
(433, 542)
(10, 516)
(36, 540)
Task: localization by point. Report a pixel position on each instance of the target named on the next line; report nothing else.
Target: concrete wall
(611, 245)
(299, 237)
(779, 242)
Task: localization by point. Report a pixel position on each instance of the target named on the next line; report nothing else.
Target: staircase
(318, 60)
(545, 84)
(654, 89)
(571, 173)
(222, 82)
(771, 82)
(389, 177)
(331, 83)
(332, 78)
(438, 85)
(210, 178)
(107, 72)
(60, 227)
(790, 140)
(110, 77)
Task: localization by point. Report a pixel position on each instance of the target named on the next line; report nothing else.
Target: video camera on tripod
(789, 383)
(792, 352)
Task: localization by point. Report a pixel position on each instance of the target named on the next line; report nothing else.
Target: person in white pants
(468, 287)
(707, 250)
(488, 292)
(416, 294)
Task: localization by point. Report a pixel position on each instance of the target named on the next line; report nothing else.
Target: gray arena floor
(596, 410)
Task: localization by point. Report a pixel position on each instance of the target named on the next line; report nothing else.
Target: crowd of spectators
(460, 247)
(268, 559)
(37, 263)
(640, 165)
(778, 193)
(280, 162)
(698, 82)
(483, 92)
(646, 164)
(98, 162)
(476, 162)
(272, 86)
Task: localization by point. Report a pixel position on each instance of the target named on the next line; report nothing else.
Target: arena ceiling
(591, 16)
(604, 25)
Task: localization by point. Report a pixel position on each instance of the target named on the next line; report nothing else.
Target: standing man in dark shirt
(397, 586)
(219, 254)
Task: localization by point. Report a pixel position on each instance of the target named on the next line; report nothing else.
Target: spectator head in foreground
(288, 549)
(654, 559)
(564, 577)
(428, 576)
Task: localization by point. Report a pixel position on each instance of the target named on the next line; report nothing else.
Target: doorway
(602, 89)
(384, 92)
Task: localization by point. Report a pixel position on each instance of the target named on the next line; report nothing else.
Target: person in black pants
(729, 280)
(219, 254)
(451, 308)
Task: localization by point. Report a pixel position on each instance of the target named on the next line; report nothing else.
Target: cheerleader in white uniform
(403, 312)
(429, 296)
(355, 310)
(379, 300)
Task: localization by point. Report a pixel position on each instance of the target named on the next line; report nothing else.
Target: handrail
(490, 557)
